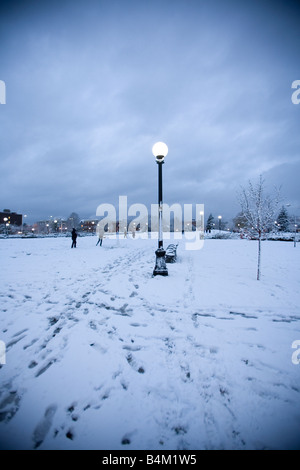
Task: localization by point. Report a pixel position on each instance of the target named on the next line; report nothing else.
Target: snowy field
(101, 355)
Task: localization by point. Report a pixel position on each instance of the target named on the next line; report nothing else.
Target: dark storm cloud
(92, 85)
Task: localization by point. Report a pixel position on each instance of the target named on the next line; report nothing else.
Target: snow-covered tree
(283, 220)
(210, 223)
(259, 210)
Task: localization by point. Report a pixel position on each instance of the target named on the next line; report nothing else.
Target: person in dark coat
(74, 238)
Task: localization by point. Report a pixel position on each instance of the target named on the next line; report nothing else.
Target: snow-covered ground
(101, 355)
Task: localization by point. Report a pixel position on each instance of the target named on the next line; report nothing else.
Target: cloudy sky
(92, 85)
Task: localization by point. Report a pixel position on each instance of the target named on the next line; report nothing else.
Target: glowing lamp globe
(160, 150)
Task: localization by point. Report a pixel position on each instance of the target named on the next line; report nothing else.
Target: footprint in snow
(9, 405)
(134, 364)
(43, 426)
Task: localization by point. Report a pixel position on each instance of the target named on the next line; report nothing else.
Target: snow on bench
(171, 253)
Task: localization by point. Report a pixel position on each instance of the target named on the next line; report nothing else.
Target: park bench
(171, 253)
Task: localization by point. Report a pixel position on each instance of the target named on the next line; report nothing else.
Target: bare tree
(259, 211)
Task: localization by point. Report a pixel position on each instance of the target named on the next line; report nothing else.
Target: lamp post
(295, 226)
(23, 223)
(160, 150)
(220, 218)
(6, 225)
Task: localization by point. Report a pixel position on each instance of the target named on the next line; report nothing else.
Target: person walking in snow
(74, 238)
(100, 233)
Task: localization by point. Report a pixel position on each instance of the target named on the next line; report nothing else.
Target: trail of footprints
(97, 315)
(74, 412)
(44, 355)
(10, 402)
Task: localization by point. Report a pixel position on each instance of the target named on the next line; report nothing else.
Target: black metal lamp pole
(220, 218)
(160, 150)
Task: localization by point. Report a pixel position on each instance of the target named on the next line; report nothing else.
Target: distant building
(88, 225)
(12, 217)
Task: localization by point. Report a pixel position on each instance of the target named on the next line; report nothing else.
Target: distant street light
(6, 224)
(25, 215)
(160, 150)
(220, 218)
(295, 227)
